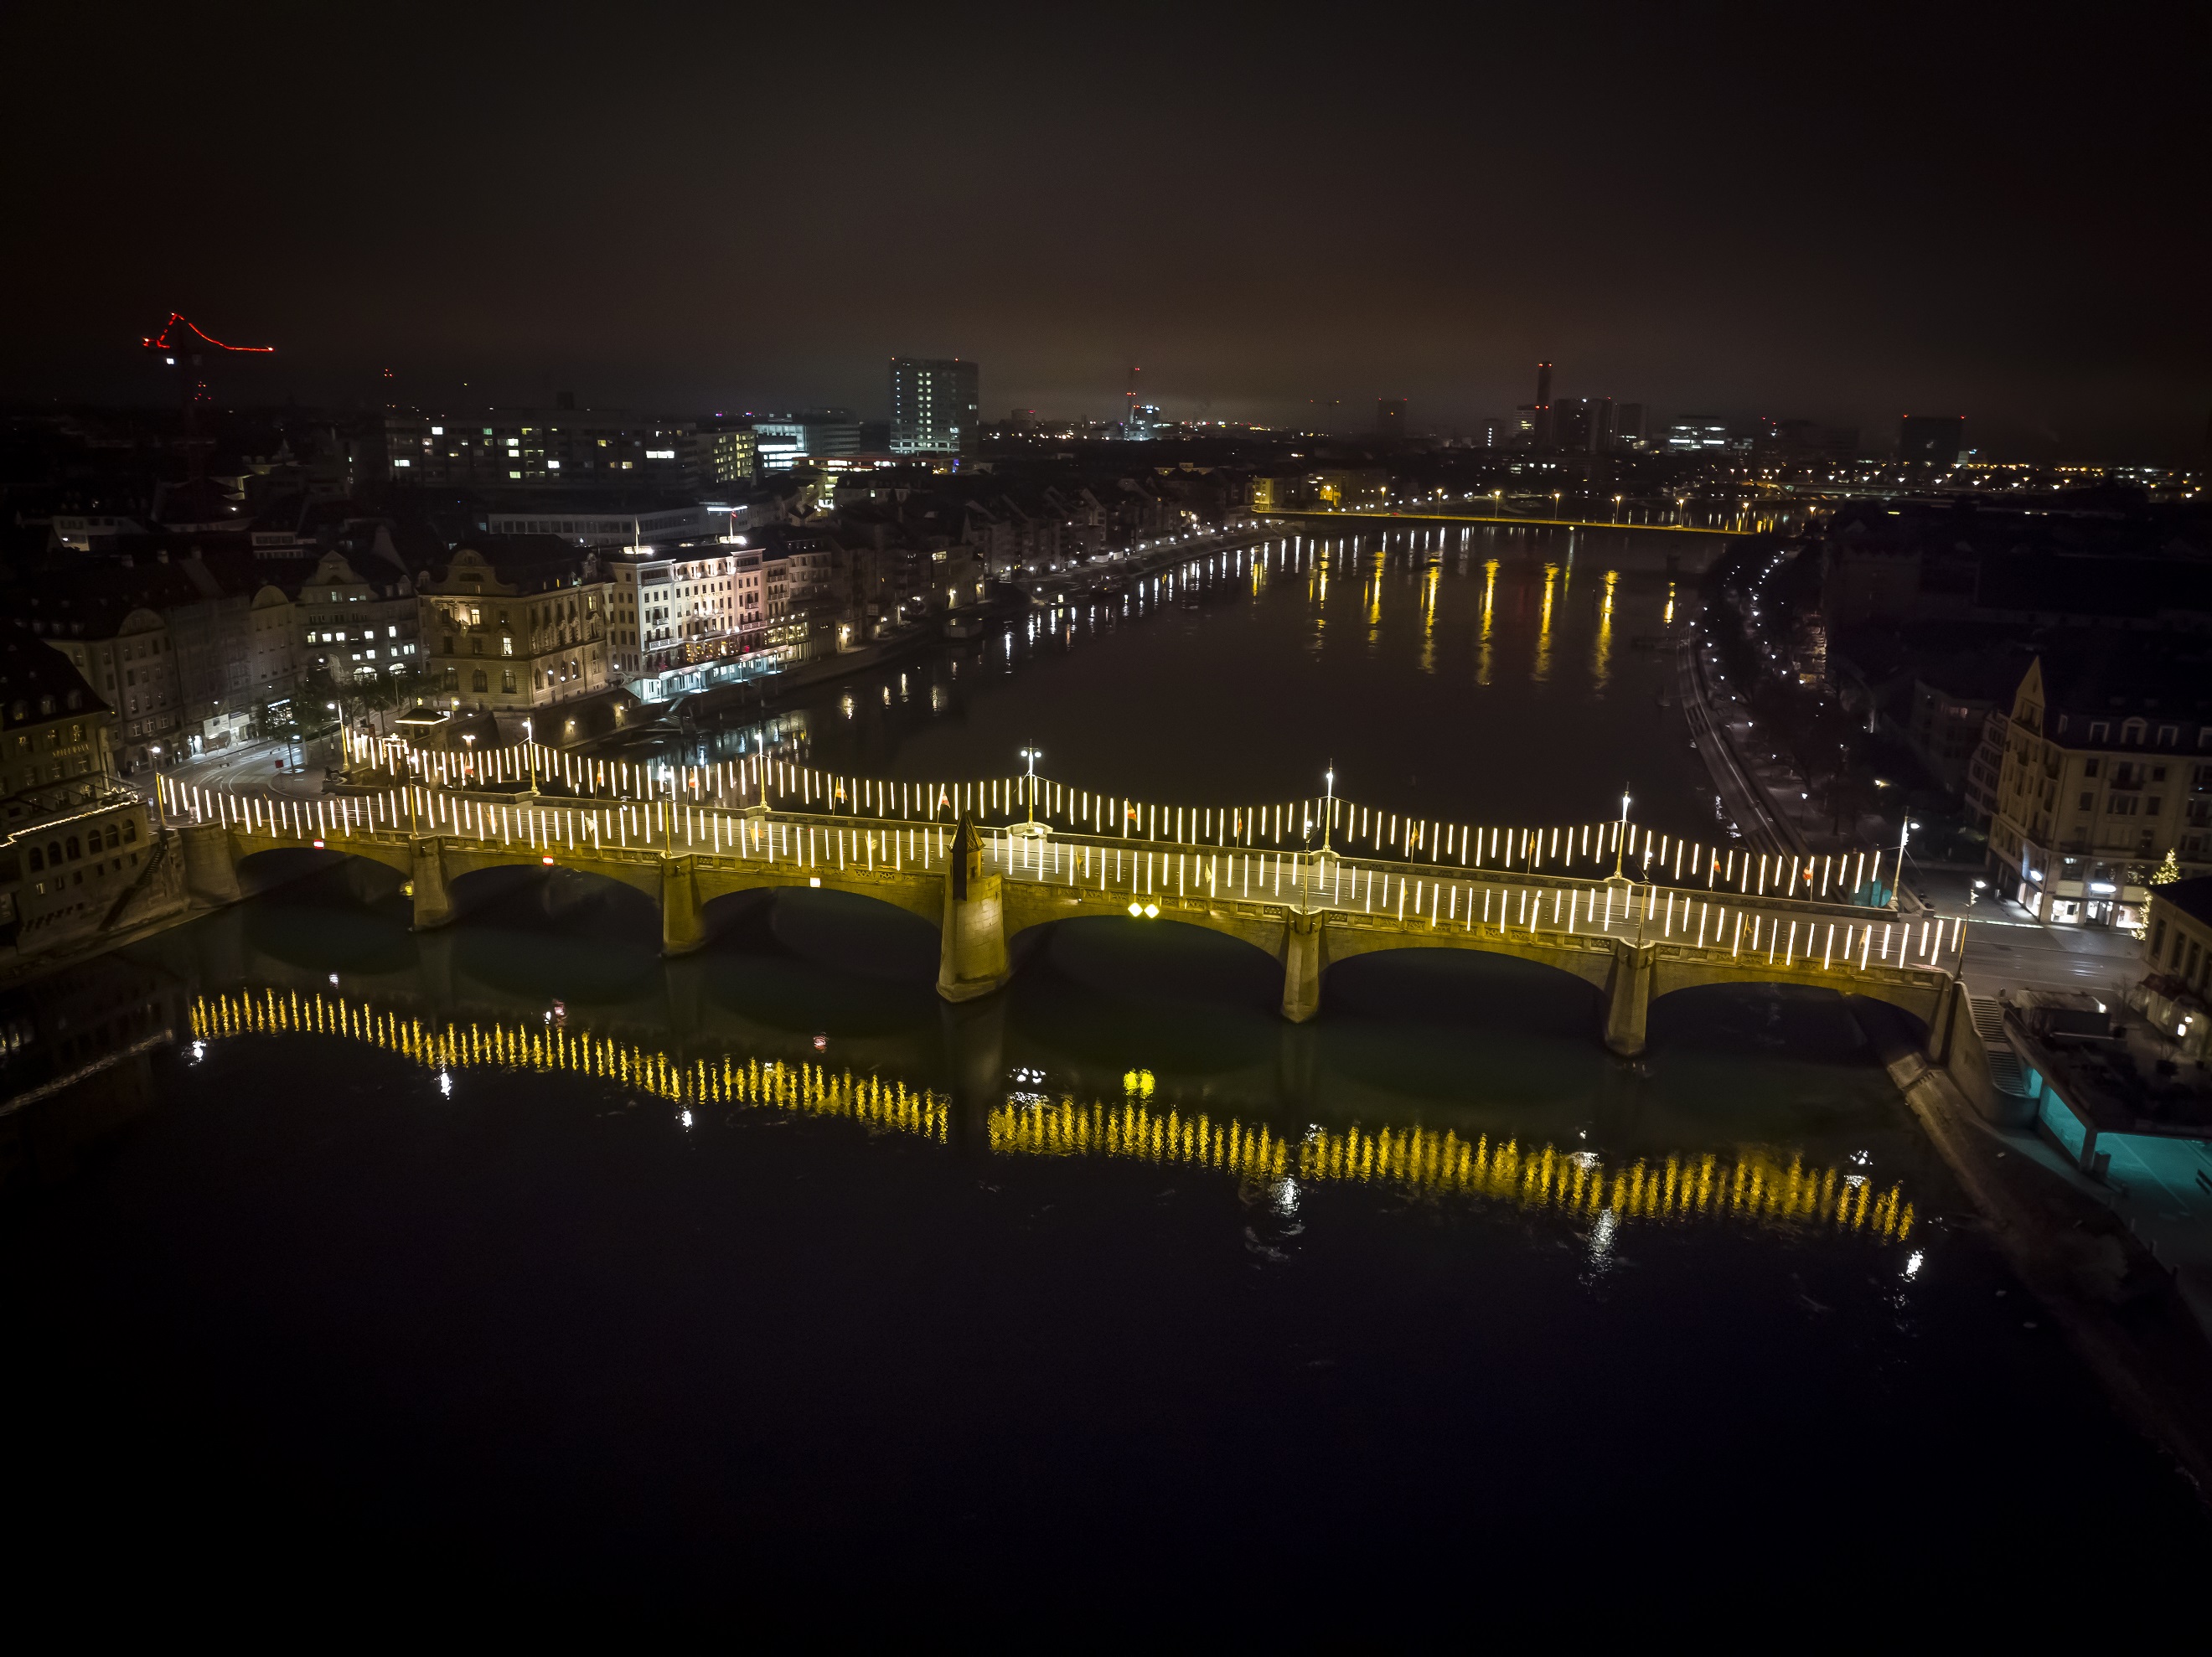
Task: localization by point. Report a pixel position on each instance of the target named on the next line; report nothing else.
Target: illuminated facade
(74, 843)
(2107, 767)
(541, 449)
(356, 628)
(515, 634)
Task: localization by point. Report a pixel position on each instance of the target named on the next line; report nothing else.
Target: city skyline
(1680, 213)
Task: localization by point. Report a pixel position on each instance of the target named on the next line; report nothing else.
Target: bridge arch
(549, 898)
(261, 869)
(1918, 995)
(325, 911)
(1185, 996)
(542, 933)
(828, 962)
(1506, 988)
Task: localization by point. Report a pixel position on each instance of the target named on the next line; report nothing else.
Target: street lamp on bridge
(1032, 829)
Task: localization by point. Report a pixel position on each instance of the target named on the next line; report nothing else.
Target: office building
(936, 405)
(1541, 432)
(1601, 413)
(653, 526)
(1931, 440)
(1699, 435)
(783, 441)
(1572, 421)
(557, 448)
(723, 452)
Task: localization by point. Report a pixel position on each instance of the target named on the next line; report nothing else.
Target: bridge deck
(1257, 885)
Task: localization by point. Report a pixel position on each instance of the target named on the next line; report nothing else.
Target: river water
(512, 1259)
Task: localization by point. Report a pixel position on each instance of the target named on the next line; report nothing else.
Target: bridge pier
(1628, 996)
(1301, 956)
(975, 1052)
(682, 928)
(682, 981)
(972, 946)
(434, 960)
(426, 868)
(210, 862)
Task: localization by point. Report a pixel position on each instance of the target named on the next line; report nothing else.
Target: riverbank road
(248, 768)
(2008, 948)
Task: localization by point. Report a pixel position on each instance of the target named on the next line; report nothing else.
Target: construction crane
(188, 351)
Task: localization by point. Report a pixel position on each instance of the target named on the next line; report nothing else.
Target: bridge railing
(1790, 933)
(766, 781)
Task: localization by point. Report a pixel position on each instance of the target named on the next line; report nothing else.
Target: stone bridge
(990, 891)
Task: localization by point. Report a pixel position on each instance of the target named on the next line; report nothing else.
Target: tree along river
(513, 1258)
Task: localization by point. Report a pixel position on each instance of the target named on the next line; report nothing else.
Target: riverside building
(2107, 768)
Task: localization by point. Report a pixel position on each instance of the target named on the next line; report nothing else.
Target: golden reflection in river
(1543, 670)
(1489, 604)
(813, 1089)
(1428, 617)
(1669, 618)
(1601, 652)
(1754, 1188)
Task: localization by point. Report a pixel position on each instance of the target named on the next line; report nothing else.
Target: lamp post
(1032, 828)
(470, 738)
(161, 816)
(529, 753)
(1328, 805)
(1620, 840)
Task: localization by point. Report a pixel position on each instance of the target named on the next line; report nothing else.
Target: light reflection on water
(1448, 671)
(1753, 1188)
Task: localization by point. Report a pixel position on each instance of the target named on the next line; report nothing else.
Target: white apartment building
(686, 604)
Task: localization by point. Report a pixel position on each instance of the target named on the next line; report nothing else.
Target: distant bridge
(1444, 515)
(986, 885)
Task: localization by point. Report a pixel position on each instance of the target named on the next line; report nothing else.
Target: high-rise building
(1544, 434)
(1936, 439)
(1628, 426)
(1572, 419)
(936, 404)
(1601, 414)
(1390, 417)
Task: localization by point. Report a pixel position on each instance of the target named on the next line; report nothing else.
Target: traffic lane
(2034, 957)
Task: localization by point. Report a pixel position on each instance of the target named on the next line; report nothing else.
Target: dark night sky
(1834, 211)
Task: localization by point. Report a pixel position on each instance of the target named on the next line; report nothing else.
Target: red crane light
(161, 341)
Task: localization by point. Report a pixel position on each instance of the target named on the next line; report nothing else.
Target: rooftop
(2193, 897)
